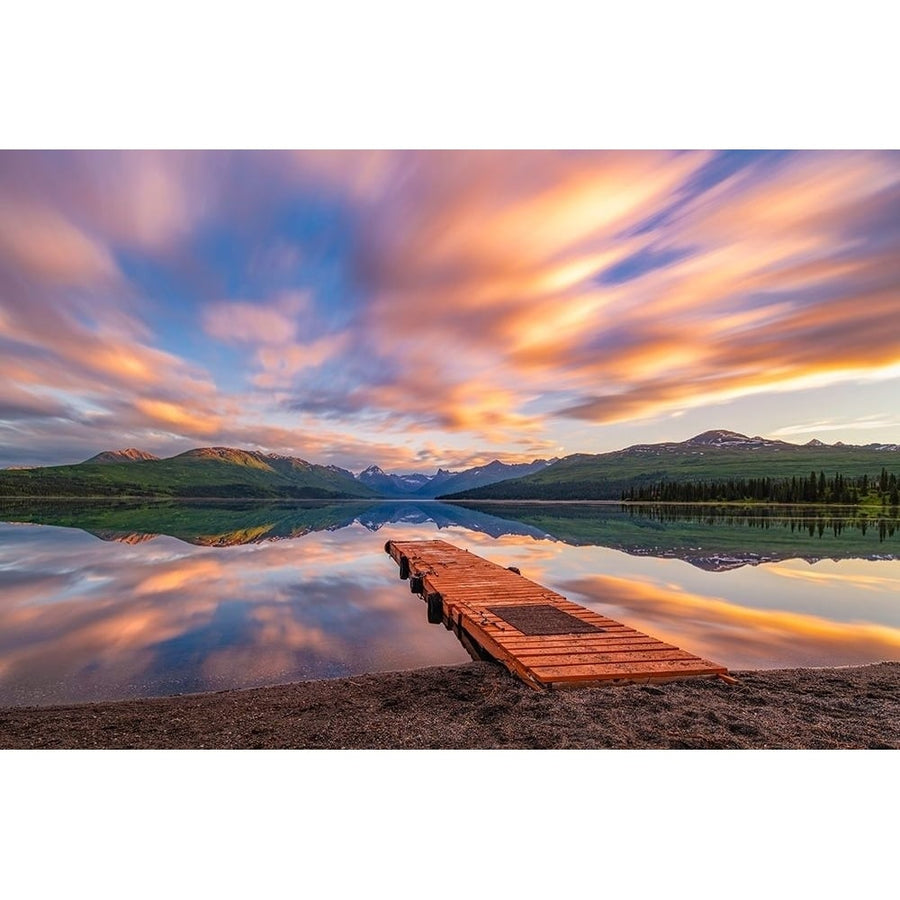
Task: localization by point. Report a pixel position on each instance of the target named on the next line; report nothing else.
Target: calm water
(115, 600)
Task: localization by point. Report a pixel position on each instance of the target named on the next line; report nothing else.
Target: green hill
(712, 456)
(204, 472)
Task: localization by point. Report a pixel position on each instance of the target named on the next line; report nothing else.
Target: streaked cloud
(864, 423)
(485, 303)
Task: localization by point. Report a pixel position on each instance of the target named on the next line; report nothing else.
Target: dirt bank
(478, 705)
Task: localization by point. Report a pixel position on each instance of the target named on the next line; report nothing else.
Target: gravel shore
(479, 705)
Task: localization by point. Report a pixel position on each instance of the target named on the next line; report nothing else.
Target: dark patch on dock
(541, 618)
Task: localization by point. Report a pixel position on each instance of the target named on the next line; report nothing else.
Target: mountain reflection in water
(177, 598)
(713, 538)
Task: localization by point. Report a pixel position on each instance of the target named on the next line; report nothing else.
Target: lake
(102, 601)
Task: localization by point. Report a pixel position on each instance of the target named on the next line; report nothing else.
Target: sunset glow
(425, 309)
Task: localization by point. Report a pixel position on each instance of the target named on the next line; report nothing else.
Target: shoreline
(479, 705)
(528, 501)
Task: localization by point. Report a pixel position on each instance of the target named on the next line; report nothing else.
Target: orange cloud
(501, 264)
(179, 415)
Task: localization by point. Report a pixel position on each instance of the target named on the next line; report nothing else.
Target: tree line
(764, 518)
(814, 488)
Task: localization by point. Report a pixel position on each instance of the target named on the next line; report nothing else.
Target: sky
(417, 309)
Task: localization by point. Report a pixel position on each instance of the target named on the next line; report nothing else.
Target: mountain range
(712, 455)
(443, 481)
(234, 472)
(229, 472)
(202, 472)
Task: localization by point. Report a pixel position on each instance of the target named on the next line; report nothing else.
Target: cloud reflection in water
(82, 618)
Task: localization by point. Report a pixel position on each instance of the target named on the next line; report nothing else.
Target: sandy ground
(479, 705)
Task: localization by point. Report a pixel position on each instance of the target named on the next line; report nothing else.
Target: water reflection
(707, 537)
(714, 538)
(81, 619)
(725, 620)
(175, 598)
(231, 523)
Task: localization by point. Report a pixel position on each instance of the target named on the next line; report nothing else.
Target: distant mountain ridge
(717, 439)
(734, 440)
(230, 472)
(711, 455)
(722, 438)
(130, 454)
(493, 473)
(422, 486)
(389, 485)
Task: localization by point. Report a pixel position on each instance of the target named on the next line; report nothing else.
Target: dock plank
(471, 591)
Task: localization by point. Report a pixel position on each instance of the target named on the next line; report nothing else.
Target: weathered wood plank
(531, 654)
(694, 666)
(542, 661)
(526, 642)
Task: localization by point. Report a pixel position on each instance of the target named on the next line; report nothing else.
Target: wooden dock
(539, 635)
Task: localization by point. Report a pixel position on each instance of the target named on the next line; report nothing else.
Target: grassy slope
(604, 476)
(184, 476)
